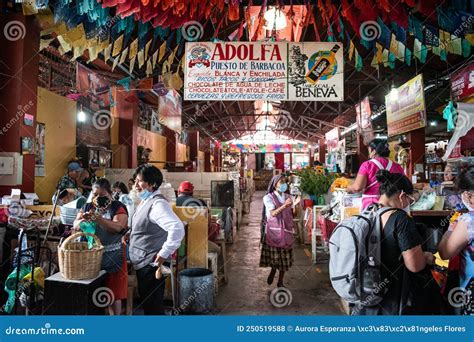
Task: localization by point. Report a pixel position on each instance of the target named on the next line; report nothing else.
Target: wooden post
(322, 151)
(416, 139)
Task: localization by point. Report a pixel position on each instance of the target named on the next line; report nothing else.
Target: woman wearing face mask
(401, 249)
(119, 189)
(366, 181)
(110, 220)
(277, 229)
(156, 234)
(459, 239)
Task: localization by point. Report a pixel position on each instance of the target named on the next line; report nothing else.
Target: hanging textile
(408, 56)
(449, 112)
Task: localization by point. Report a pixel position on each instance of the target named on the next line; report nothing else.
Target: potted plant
(315, 183)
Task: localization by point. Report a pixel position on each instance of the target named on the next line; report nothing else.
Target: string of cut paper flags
(89, 25)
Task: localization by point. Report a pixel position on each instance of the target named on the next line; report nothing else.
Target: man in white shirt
(156, 234)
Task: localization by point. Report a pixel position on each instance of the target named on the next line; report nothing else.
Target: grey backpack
(355, 258)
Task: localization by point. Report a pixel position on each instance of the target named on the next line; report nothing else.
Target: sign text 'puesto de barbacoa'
(264, 71)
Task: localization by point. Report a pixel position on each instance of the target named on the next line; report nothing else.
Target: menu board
(406, 112)
(270, 71)
(462, 82)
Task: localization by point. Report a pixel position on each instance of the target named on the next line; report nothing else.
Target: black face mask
(102, 201)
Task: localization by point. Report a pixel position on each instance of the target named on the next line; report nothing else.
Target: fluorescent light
(81, 116)
(275, 19)
(267, 107)
(393, 94)
(349, 129)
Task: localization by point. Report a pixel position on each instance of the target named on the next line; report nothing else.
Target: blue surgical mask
(283, 187)
(144, 194)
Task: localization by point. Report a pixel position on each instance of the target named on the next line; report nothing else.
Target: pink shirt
(369, 169)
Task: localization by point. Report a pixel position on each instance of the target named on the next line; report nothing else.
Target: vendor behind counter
(366, 181)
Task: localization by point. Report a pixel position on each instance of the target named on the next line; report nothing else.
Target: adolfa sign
(264, 71)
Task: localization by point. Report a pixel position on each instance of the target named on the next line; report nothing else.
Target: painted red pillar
(207, 161)
(362, 151)
(19, 61)
(128, 137)
(280, 161)
(416, 139)
(171, 146)
(194, 147)
(322, 151)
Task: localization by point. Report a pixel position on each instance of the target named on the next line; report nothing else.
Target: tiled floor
(247, 292)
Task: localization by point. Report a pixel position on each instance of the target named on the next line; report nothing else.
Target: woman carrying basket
(109, 220)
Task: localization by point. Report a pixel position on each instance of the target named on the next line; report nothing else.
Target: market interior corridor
(247, 292)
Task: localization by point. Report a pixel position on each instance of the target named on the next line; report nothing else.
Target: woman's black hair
(150, 174)
(381, 147)
(393, 183)
(103, 183)
(465, 180)
(123, 188)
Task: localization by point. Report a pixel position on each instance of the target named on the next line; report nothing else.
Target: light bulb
(275, 19)
(81, 116)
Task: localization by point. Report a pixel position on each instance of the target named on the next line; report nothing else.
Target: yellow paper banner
(141, 58)
(133, 49)
(147, 47)
(394, 45)
(379, 52)
(117, 46)
(162, 51)
(351, 50)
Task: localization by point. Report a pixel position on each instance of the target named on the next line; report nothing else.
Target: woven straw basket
(77, 261)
